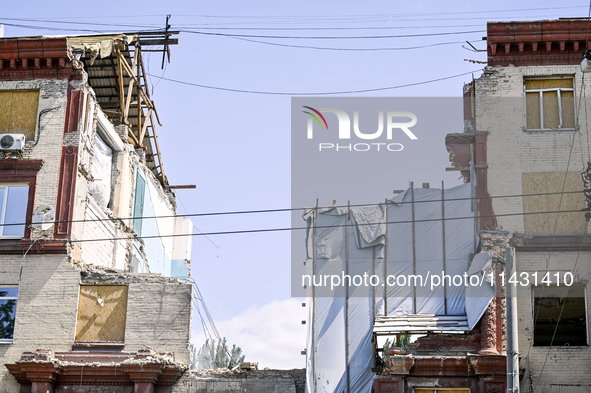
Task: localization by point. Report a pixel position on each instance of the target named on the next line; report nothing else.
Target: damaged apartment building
(95, 293)
(525, 158)
(527, 130)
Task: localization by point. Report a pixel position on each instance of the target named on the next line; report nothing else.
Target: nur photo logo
(392, 120)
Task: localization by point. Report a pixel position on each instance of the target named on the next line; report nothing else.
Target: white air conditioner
(12, 141)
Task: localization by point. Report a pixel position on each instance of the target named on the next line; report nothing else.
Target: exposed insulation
(18, 112)
(552, 182)
(102, 310)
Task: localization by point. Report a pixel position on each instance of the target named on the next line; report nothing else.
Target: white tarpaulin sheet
(101, 172)
(380, 240)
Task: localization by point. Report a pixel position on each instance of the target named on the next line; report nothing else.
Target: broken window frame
(15, 298)
(559, 98)
(4, 208)
(111, 140)
(535, 317)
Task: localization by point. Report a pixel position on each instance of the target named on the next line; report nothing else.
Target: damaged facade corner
(516, 151)
(100, 295)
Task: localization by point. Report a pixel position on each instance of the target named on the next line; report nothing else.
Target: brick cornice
(37, 58)
(547, 42)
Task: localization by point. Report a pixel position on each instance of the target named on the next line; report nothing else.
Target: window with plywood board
(572, 200)
(18, 112)
(549, 103)
(102, 311)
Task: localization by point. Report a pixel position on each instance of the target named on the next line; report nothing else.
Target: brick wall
(159, 315)
(46, 307)
(566, 364)
(511, 152)
(52, 93)
(252, 381)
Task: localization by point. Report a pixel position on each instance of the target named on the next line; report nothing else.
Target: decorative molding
(488, 330)
(536, 42)
(551, 243)
(36, 58)
(66, 192)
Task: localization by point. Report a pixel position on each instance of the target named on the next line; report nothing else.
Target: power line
(365, 16)
(316, 93)
(202, 27)
(348, 49)
(333, 37)
(26, 242)
(282, 210)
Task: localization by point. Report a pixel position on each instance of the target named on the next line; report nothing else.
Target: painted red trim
(559, 41)
(66, 192)
(488, 221)
(21, 171)
(36, 58)
(74, 105)
(34, 370)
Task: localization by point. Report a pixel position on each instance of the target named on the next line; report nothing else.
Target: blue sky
(236, 146)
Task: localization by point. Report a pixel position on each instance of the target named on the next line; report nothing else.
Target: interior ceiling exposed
(116, 73)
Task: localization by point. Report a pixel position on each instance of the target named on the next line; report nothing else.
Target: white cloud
(272, 334)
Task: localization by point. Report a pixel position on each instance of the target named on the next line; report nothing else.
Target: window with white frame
(560, 315)
(14, 199)
(549, 103)
(8, 298)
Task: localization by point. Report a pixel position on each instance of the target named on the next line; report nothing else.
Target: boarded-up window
(552, 183)
(559, 316)
(549, 104)
(18, 112)
(101, 313)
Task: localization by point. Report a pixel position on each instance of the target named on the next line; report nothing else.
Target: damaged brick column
(144, 376)
(399, 366)
(488, 330)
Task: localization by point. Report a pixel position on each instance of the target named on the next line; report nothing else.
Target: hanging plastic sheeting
(478, 298)
(421, 233)
(101, 172)
(339, 354)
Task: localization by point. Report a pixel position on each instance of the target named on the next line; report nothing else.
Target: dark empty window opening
(560, 316)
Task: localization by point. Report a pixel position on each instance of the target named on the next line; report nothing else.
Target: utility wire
(333, 37)
(238, 212)
(348, 49)
(26, 242)
(317, 93)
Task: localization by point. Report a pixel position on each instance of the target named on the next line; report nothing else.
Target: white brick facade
(511, 152)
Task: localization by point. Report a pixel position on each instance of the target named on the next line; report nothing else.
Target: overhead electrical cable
(317, 93)
(284, 210)
(26, 242)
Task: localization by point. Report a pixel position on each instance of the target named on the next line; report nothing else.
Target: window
(18, 112)
(8, 296)
(440, 390)
(102, 310)
(560, 312)
(13, 209)
(549, 104)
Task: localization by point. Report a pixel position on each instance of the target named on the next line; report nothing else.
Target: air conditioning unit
(12, 141)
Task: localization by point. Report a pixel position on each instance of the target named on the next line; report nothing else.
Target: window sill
(98, 346)
(548, 130)
(5, 342)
